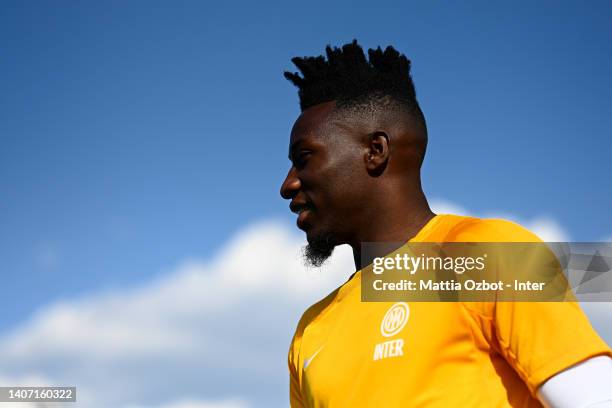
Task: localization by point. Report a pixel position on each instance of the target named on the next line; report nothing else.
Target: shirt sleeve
(538, 339)
(541, 339)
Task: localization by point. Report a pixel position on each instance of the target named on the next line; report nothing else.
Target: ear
(377, 153)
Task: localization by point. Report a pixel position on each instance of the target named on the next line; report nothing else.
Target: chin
(315, 235)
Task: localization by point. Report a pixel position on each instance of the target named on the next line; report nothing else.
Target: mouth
(303, 211)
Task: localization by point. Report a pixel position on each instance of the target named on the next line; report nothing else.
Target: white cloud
(446, 207)
(547, 229)
(263, 260)
(215, 331)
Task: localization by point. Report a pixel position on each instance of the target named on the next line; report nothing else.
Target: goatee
(318, 250)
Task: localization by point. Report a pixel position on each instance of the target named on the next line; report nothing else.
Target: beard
(320, 247)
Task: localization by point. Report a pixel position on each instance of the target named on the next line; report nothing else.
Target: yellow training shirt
(442, 354)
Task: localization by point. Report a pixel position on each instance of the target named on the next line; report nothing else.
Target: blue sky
(138, 135)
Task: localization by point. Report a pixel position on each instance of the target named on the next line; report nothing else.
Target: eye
(302, 158)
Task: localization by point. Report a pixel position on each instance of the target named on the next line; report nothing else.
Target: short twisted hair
(348, 78)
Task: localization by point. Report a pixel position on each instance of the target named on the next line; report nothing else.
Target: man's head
(357, 146)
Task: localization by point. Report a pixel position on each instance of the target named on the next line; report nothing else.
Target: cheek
(345, 183)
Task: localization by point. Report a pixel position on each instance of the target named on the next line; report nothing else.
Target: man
(356, 152)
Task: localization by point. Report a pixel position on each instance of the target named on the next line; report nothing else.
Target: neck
(395, 223)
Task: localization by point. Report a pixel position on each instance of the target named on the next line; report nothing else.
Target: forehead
(312, 121)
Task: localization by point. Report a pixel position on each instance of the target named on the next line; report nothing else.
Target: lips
(302, 217)
(303, 210)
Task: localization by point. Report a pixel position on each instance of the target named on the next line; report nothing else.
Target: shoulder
(311, 315)
(315, 311)
(472, 229)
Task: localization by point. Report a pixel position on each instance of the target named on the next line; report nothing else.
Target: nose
(291, 185)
